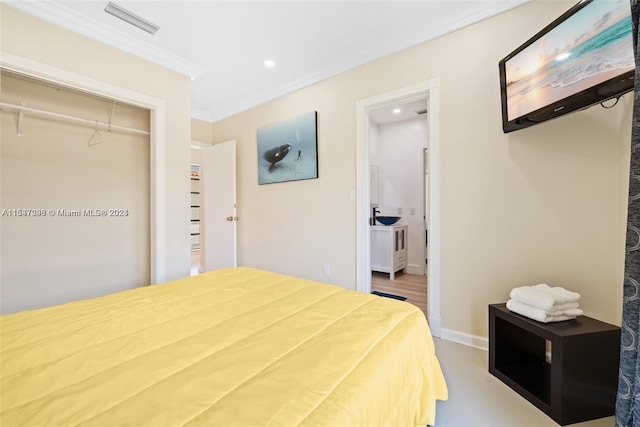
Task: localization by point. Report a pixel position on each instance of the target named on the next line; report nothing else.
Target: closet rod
(88, 122)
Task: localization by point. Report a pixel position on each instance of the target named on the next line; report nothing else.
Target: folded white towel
(563, 295)
(543, 296)
(560, 307)
(541, 315)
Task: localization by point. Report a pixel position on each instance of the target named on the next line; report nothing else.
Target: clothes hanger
(97, 137)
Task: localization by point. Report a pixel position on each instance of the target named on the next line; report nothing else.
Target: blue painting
(288, 151)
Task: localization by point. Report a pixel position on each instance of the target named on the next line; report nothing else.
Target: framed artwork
(288, 151)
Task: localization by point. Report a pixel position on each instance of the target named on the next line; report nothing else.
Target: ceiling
(222, 45)
(399, 112)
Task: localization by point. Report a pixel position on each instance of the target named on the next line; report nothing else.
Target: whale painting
(288, 151)
(275, 155)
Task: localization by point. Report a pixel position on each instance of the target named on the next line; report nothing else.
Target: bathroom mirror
(373, 177)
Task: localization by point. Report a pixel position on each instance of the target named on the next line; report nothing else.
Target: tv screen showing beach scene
(590, 47)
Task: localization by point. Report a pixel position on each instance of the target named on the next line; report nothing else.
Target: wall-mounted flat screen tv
(581, 59)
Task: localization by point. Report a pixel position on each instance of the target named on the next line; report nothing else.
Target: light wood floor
(412, 286)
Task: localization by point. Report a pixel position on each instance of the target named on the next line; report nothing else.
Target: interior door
(218, 203)
(426, 208)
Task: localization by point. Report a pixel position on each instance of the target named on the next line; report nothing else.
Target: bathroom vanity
(388, 248)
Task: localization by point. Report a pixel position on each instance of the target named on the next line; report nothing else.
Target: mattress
(232, 347)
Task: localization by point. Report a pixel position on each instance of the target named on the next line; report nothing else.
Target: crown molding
(366, 54)
(69, 19)
(201, 115)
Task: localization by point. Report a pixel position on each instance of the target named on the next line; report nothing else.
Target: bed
(232, 347)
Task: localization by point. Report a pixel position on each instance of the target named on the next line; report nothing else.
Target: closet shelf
(21, 109)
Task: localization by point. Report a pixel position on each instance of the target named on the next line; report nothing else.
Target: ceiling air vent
(131, 18)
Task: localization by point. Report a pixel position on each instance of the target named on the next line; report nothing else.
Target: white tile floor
(477, 398)
(195, 261)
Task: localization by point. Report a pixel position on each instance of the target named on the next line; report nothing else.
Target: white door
(426, 208)
(218, 216)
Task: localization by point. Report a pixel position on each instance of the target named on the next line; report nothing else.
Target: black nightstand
(574, 380)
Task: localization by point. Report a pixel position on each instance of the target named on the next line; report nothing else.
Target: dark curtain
(627, 402)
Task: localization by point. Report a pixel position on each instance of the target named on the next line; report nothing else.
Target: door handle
(232, 218)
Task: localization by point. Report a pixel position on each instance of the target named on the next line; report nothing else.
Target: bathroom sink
(387, 220)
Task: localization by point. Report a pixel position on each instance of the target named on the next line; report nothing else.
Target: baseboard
(464, 338)
(414, 269)
(435, 326)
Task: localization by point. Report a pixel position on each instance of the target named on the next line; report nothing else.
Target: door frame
(429, 89)
(157, 139)
(425, 202)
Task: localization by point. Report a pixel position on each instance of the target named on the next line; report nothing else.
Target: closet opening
(76, 191)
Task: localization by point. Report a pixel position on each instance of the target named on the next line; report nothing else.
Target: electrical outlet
(413, 211)
(325, 270)
(399, 211)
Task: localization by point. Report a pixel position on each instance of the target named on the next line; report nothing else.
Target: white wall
(545, 204)
(401, 147)
(196, 155)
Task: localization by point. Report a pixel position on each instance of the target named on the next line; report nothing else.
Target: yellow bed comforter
(233, 347)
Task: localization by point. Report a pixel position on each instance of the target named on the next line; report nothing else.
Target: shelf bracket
(21, 117)
(111, 116)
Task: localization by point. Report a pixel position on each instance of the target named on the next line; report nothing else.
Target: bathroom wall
(401, 152)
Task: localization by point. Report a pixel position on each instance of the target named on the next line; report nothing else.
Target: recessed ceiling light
(396, 111)
(269, 63)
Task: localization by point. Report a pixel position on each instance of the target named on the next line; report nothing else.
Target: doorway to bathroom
(398, 138)
(421, 211)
